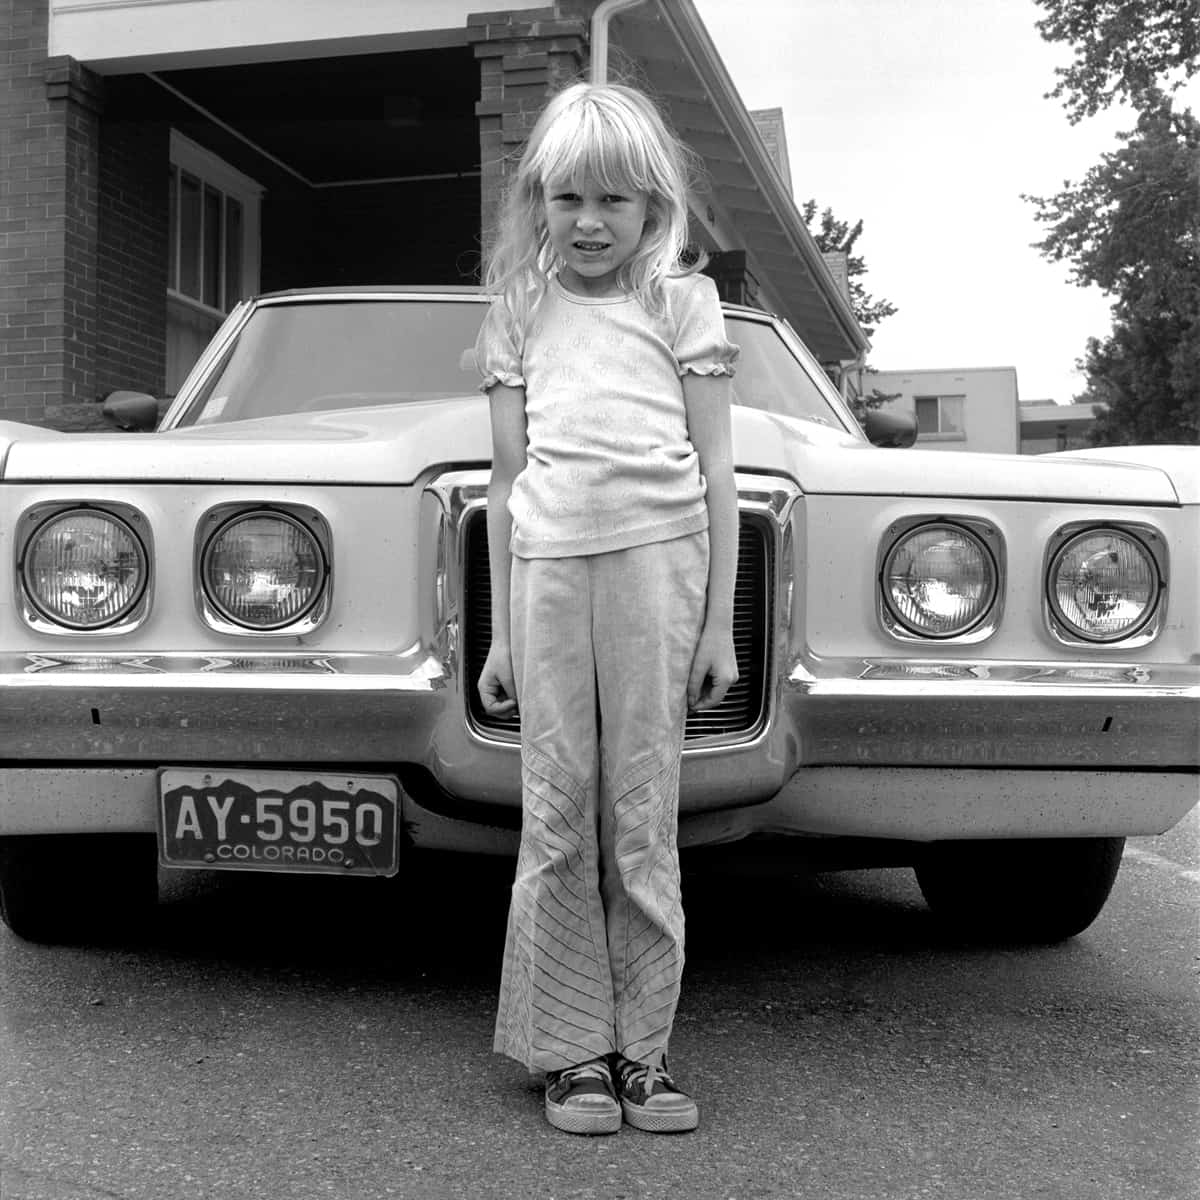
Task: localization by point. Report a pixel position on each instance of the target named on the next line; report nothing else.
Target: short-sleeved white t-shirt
(609, 464)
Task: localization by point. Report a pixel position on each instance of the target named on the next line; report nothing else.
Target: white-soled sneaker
(581, 1099)
(650, 1099)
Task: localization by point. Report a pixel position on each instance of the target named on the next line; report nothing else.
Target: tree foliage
(838, 237)
(1125, 50)
(1131, 226)
(834, 236)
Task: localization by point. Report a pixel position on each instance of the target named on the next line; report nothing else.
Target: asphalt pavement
(299, 1039)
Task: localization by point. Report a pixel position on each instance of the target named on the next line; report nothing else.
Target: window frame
(213, 172)
(939, 434)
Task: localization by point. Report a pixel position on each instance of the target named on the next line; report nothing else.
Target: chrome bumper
(852, 748)
(1034, 715)
(409, 708)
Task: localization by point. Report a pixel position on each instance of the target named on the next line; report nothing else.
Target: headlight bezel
(35, 519)
(1143, 632)
(216, 521)
(985, 534)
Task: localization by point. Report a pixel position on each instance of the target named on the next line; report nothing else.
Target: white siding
(148, 35)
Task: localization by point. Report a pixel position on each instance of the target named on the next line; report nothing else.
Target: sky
(927, 120)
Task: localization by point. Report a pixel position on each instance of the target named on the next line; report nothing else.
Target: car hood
(397, 445)
(827, 463)
(1181, 462)
(394, 444)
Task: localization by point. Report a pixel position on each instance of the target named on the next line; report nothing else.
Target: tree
(838, 237)
(1132, 225)
(1124, 49)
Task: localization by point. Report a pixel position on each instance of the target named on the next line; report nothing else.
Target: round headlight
(84, 569)
(939, 581)
(263, 570)
(1103, 585)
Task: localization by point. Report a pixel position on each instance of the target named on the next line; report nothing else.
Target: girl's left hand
(714, 669)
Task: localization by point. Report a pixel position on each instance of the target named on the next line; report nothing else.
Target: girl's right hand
(497, 688)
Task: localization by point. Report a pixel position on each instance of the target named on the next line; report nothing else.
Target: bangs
(587, 142)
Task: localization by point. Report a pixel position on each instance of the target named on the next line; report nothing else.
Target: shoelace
(589, 1070)
(645, 1075)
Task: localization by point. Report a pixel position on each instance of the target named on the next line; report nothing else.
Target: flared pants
(602, 647)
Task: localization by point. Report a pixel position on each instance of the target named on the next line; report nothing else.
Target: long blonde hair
(615, 135)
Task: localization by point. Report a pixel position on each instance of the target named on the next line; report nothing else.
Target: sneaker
(581, 1099)
(651, 1101)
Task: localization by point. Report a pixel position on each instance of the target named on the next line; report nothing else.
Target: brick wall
(524, 55)
(49, 117)
(131, 259)
(83, 221)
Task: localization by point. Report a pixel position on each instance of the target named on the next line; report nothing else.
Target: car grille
(742, 709)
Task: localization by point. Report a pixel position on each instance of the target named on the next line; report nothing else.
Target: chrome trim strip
(414, 669)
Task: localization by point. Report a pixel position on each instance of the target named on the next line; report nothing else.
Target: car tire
(1035, 890)
(77, 888)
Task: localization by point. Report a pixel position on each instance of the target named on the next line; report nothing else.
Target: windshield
(328, 355)
(294, 358)
(773, 376)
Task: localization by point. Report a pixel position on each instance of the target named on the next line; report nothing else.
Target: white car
(249, 639)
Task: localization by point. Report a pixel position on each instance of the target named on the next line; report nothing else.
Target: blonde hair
(615, 135)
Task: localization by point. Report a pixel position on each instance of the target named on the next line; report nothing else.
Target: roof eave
(845, 340)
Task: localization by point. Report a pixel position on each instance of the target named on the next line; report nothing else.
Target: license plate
(278, 821)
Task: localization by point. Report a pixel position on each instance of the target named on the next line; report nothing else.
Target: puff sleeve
(701, 346)
(496, 355)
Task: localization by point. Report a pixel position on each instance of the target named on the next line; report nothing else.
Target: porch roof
(747, 205)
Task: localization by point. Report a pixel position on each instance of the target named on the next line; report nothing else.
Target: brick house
(162, 159)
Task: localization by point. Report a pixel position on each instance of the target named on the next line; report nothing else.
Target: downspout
(599, 47)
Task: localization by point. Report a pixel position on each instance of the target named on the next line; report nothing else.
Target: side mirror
(131, 410)
(892, 429)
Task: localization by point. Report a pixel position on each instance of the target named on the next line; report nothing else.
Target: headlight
(938, 581)
(1103, 585)
(263, 570)
(84, 569)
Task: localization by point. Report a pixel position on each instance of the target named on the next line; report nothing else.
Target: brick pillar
(735, 281)
(50, 113)
(131, 259)
(524, 57)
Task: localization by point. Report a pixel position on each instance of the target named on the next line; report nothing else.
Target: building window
(212, 250)
(940, 416)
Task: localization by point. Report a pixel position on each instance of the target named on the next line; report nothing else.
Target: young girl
(612, 529)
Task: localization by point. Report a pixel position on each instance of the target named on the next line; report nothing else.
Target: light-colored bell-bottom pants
(602, 647)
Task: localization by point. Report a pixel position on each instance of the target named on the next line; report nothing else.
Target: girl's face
(594, 231)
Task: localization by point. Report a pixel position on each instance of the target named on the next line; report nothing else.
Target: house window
(212, 250)
(940, 416)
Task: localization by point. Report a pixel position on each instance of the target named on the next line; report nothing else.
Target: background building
(970, 408)
(1046, 426)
